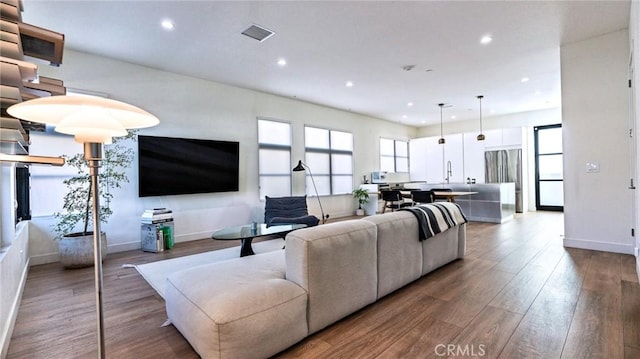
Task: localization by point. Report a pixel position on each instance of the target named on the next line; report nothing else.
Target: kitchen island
(493, 202)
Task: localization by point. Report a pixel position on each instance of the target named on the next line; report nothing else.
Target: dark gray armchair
(288, 210)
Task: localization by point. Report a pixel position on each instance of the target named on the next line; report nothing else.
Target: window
(47, 189)
(329, 157)
(394, 155)
(274, 158)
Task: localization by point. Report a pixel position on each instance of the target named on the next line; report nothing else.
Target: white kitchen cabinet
(473, 157)
(453, 162)
(493, 138)
(503, 138)
(435, 160)
(418, 159)
(512, 136)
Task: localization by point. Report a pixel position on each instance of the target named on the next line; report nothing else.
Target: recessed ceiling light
(349, 84)
(423, 121)
(409, 104)
(453, 117)
(168, 24)
(486, 39)
(538, 93)
(404, 116)
(524, 79)
(282, 62)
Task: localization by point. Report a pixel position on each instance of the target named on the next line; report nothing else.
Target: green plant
(77, 206)
(362, 195)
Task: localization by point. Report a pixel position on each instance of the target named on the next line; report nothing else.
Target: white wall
(195, 108)
(634, 37)
(595, 109)
(14, 262)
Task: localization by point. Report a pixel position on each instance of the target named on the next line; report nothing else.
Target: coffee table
(246, 233)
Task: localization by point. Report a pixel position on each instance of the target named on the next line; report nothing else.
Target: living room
(594, 108)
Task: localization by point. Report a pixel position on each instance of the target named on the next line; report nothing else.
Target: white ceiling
(327, 43)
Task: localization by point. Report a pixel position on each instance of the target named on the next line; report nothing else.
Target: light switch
(592, 167)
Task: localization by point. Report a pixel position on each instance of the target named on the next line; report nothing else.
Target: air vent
(258, 33)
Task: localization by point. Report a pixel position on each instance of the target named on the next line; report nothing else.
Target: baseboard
(44, 259)
(123, 247)
(598, 246)
(13, 315)
(192, 236)
(638, 267)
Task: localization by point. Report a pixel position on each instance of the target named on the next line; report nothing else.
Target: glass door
(549, 175)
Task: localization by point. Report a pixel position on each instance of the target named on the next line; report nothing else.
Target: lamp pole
(302, 167)
(93, 155)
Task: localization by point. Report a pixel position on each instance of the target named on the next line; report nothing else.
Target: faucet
(449, 172)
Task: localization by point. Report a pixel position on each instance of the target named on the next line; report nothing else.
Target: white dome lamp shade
(89, 119)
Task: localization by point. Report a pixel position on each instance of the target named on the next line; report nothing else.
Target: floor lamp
(92, 121)
(302, 167)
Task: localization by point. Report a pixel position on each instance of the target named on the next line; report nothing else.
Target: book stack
(157, 215)
(157, 230)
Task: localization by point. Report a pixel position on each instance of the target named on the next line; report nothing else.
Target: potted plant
(362, 195)
(73, 224)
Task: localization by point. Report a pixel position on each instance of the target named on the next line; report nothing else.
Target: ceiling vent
(259, 33)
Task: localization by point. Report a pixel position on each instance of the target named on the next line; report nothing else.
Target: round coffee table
(248, 232)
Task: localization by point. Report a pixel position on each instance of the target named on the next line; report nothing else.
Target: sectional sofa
(257, 306)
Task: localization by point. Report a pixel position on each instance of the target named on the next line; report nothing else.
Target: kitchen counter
(493, 202)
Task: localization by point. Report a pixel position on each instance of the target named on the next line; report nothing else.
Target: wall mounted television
(172, 166)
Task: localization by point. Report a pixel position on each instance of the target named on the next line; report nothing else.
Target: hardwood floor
(517, 294)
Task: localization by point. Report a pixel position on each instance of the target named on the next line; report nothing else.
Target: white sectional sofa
(257, 306)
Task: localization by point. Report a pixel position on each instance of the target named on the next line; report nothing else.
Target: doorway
(549, 181)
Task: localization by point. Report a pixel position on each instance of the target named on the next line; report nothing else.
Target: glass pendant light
(481, 135)
(441, 140)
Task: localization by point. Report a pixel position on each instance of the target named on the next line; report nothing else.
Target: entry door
(549, 174)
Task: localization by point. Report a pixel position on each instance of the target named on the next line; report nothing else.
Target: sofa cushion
(336, 264)
(399, 250)
(241, 308)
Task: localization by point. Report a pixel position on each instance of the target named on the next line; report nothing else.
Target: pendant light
(441, 140)
(481, 135)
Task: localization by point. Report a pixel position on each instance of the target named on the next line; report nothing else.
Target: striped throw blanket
(436, 217)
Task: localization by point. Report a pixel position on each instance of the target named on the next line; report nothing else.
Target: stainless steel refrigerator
(505, 166)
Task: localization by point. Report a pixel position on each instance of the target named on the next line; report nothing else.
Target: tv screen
(169, 166)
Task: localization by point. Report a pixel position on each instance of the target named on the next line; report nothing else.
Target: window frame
(395, 155)
(330, 152)
(277, 147)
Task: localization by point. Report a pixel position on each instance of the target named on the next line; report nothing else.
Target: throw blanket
(436, 217)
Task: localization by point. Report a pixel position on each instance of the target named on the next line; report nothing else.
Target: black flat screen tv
(172, 166)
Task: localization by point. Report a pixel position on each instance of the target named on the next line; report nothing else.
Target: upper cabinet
(512, 137)
(503, 138)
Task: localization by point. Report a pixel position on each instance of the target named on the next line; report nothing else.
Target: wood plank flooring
(517, 294)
